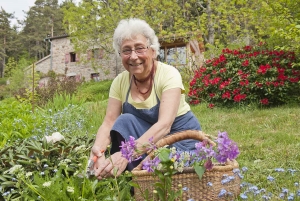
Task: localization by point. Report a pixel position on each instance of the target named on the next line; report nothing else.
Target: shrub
(252, 74)
(55, 87)
(94, 91)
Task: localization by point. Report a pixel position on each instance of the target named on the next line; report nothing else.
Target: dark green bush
(251, 75)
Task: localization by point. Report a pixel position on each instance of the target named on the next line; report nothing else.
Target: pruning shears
(89, 168)
(91, 162)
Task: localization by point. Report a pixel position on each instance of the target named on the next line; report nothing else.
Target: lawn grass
(267, 139)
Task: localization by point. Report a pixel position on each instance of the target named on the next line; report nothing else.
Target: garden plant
(267, 137)
(249, 75)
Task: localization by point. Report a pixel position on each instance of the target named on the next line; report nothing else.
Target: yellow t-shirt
(166, 77)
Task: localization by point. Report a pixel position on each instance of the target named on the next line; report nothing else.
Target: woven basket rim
(229, 165)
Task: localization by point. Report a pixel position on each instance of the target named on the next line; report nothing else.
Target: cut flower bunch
(252, 74)
(170, 174)
(202, 158)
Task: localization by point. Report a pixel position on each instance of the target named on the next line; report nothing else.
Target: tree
(5, 33)
(43, 20)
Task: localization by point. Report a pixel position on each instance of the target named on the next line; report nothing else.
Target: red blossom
(194, 102)
(264, 101)
(245, 63)
(226, 95)
(222, 70)
(294, 79)
(258, 84)
(239, 97)
(211, 105)
(193, 82)
(212, 95)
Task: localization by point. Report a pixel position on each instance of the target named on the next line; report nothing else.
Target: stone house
(64, 61)
(96, 64)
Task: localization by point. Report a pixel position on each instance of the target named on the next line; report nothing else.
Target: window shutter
(89, 54)
(101, 53)
(77, 56)
(67, 58)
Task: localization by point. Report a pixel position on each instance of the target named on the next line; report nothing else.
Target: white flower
(70, 189)
(81, 147)
(47, 184)
(28, 174)
(15, 169)
(55, 137)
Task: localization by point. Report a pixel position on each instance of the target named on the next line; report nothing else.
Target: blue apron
(135, 122)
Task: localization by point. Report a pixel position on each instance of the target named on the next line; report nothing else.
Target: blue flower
(244, 169)
(222, 193)
(296, 184)
(185, 188)
(291, 197)
(244, 196)
(209, 184)
(270, 178)
(285, 190)
(279, 169)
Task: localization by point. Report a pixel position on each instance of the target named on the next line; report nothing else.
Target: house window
(173, 55)
(95, 77)
(72, 57)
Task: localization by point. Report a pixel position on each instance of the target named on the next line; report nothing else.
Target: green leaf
(164, 155)
(199, 170)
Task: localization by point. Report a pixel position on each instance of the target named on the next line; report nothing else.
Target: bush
(245, 76)
(94, 91)
(56, 87)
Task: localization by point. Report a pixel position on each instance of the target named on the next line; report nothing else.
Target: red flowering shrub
(252, 74)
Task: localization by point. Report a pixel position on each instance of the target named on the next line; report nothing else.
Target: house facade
(64, 61)
(97, 64)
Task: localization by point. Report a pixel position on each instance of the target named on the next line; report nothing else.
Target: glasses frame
(135, 50)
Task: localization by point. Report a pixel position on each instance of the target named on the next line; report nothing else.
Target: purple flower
(128, 148)
(227, 149)
(150, 165)
(208, 164)
(151, 145)
(204, 150)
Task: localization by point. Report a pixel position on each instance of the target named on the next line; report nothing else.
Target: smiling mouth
(135, 65)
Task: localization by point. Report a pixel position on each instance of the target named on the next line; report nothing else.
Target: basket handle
(176, 137)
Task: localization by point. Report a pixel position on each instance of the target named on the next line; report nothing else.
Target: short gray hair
(128, 28)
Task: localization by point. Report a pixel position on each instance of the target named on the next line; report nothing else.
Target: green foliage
(16, 120)
(252, 75)
(38, 157)
(94, 91)
(10, 66)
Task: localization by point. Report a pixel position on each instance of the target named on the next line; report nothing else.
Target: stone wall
(108, 66)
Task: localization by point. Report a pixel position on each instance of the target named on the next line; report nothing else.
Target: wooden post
(32, 102)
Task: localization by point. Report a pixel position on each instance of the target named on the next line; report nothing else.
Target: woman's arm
(113, 110)
(168, 109)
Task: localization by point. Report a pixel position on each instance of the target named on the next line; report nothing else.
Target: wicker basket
(197, 189)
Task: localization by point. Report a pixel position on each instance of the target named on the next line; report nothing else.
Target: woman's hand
(112, 166)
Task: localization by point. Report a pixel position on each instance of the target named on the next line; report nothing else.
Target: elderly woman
(145, 101)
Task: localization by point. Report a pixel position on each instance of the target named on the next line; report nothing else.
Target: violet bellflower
(227, 149)
(204, 150)
(128, 148)
(150, 165)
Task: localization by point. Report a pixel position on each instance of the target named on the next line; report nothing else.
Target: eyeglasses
(139, 51)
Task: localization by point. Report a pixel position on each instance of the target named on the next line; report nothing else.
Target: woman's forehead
(135, 40)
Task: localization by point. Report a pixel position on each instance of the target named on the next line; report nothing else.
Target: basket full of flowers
(209, 172)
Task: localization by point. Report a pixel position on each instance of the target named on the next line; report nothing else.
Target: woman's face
(137, 63)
